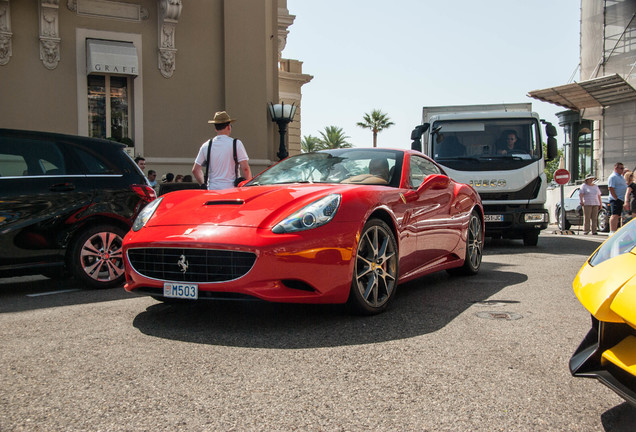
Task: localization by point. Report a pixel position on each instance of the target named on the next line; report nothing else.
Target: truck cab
(500, 154)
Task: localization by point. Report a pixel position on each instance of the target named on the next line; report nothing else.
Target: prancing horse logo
(183, 264)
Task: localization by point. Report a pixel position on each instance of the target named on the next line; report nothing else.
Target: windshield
(354, 166)
(494, 140)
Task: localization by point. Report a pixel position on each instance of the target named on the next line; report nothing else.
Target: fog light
(534, 217)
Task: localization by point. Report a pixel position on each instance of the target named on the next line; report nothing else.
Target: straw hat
(590, 176)
(221, 117)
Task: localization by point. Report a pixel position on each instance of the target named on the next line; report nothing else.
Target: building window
(108, 100)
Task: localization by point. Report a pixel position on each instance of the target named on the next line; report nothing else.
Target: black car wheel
(375, 271)
(474, 248)
(97, 257)
(559, 222)
(602, 220)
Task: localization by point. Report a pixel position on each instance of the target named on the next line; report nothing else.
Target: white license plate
(493, 218)
(182, 291)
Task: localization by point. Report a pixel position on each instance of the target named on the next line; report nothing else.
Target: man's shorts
(616, 207)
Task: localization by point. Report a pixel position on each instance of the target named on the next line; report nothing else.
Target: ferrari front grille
(191, 265)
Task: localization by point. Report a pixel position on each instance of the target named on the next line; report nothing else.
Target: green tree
(310, 143)
(377, 121)
(553, 165)
(333, 137)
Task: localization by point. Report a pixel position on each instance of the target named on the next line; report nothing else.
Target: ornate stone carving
(5, 32)
(49, 33)
(284, 21)
(169, 13)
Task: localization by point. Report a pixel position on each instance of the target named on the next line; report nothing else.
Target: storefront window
(97, 106)
(108, 105)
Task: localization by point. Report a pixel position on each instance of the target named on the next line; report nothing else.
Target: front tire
(97, 257)
(474, 248)
(375, 271)
(531, 238)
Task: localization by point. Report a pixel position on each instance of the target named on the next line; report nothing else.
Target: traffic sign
(561, 176)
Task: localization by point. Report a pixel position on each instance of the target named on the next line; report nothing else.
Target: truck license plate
(182, 291)
(493, 218)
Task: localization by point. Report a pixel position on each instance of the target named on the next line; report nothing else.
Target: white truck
(497, 149)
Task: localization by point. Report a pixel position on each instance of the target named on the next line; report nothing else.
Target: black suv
(66, 203)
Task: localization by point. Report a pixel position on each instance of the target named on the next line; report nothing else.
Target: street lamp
(282, 115)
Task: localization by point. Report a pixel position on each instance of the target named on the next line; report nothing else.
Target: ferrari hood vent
(225, 202)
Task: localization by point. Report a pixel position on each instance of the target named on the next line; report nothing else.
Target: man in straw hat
(221, 164)
(590, 196)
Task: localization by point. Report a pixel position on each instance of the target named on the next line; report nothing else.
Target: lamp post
(282, 115)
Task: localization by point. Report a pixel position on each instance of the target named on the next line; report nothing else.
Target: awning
(111, 57)
(597, 92)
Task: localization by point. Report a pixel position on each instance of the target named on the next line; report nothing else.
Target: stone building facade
(149, 72)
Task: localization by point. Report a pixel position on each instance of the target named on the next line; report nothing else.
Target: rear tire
(474, 248)
(375, 272)
(602, 220)
(561, 228)
(97, 257)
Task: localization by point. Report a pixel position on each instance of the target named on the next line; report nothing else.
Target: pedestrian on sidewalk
(590, 196)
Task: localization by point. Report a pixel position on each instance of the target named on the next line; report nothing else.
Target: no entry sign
(561, 176)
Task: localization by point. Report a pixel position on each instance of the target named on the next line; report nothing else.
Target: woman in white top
(590, 196)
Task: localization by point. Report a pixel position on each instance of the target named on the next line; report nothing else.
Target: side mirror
(553, 151)
(435, 181)
(416, 136)
(550, 130)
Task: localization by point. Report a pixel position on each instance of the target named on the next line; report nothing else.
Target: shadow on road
(37, 292)
(621, 418)
(422, 306)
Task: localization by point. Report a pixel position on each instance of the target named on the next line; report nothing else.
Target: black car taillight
(145, 192)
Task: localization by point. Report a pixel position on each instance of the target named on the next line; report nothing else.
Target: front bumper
(512, 221)
(608, 353)
(313, 266)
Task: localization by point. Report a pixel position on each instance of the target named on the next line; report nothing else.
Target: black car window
(95, 164)
(420, 168)
(29, 157)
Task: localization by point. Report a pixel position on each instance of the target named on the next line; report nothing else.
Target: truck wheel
(531, 238)
(97, 257)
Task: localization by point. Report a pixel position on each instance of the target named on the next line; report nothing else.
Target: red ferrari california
(335, 226)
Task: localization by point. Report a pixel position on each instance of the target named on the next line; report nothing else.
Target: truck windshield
(495, 141)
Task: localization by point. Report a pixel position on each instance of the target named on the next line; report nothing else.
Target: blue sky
(400, 56)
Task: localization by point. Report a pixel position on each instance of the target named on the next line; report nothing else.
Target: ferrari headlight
(312, 216)
(146, 214)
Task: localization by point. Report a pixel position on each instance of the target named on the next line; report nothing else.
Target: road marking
(52, 292)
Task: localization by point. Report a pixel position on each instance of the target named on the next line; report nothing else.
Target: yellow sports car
(606, 286)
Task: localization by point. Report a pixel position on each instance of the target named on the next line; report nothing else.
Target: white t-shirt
(221, 173)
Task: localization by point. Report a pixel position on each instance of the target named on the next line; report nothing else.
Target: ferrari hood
(257, 207)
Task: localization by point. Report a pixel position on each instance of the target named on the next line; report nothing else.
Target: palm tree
(310, 143)
(333, 137)
(377, 121)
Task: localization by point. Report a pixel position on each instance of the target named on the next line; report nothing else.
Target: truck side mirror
(550, 130)
(553, 151)
(419, 130)
(416, 136)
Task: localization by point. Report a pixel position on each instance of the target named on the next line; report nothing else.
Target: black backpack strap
(236, 164)
(207, 164)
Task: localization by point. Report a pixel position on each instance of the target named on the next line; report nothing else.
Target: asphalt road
(485, 353)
